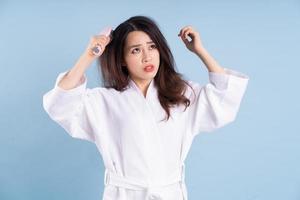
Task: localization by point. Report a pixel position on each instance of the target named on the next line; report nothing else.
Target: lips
(149, 68)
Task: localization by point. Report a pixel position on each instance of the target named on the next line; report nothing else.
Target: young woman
(146, 116)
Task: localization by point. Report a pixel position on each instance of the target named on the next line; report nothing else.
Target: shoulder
(191, 88)
(101, 92)
(193, 84)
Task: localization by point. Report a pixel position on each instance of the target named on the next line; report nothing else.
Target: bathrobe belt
(111, 178)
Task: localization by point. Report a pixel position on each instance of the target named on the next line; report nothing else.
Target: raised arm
(196, 46)
(216, 103)
(69, 103)
(75, 75)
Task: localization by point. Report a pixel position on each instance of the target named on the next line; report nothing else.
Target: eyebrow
(137, 45)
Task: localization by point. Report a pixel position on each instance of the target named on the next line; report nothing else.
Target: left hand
(195, 45)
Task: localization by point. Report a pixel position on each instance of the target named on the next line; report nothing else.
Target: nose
(147, 56)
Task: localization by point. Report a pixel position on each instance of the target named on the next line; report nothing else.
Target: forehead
(137, 37)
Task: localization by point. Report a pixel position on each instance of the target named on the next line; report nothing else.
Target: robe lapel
(148, 119)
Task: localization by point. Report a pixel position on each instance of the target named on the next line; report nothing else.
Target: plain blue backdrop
(257, 157)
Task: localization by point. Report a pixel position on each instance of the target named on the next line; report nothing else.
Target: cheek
(132, 60)
(156, 53)
(157, 56)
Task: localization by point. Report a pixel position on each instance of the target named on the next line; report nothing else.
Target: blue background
(255, 158)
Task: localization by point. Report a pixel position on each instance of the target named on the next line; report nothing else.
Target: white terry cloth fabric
(144, 155)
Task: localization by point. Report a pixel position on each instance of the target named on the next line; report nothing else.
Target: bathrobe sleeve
(216, 103)
(69, 108)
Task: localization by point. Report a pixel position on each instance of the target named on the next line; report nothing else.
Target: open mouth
(149, 68)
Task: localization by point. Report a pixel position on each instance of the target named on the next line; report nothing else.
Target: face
(139, 52)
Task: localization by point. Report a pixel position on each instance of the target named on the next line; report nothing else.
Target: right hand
(101, 40)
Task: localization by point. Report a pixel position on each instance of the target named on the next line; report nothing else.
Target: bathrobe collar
(152, 90)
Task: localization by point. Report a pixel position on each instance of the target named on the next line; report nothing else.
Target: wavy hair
(169, 83)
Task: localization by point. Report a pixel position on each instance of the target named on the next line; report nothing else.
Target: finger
(108, 39)
(102, 40)
(188, 33)
(185, 30)
(186, 27)
(97, 49)
(182, 30)
(186, 42)
(189, 29)
(179, 32)
(185, 34)
(191, 33)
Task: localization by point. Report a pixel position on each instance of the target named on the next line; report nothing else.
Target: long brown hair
(170, 84)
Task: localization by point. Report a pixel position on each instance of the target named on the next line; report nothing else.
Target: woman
(146, 116)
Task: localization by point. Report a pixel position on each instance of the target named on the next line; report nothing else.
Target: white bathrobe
(143, 155)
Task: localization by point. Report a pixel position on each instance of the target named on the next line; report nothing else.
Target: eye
(153, 46)
(133, 51)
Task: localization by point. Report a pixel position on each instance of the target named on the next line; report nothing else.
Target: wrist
(87, 57)
(200, 50)
(84, 62)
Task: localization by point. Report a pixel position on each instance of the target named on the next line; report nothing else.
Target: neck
(143, 85)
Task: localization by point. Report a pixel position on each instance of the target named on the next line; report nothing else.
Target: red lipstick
(149, 68)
